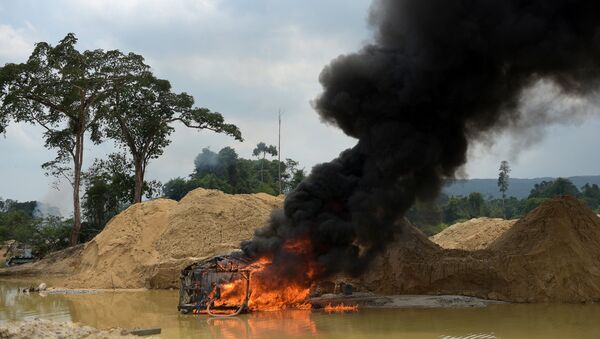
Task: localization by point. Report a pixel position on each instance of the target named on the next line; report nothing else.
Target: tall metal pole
(279, 151)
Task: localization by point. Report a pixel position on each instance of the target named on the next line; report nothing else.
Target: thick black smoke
(439, 74)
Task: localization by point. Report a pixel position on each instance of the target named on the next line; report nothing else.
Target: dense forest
(227, 172)
(109, 188)
(433, 217)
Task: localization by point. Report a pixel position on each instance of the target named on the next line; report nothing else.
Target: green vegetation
(109, 188)
(503, 177)
(97, 95)
(227, 172)
(44, 235)
(433, 217)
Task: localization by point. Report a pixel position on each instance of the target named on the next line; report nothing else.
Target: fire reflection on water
(291, 323)
(158, 309)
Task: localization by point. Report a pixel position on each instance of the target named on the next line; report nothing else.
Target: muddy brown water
(158, 309)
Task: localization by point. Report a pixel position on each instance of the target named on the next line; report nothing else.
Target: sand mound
(207, 222)
(551, 255)
(121, 255)
(149, 243)
(474, 234)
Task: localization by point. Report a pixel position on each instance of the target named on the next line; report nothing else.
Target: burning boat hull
(200, 284)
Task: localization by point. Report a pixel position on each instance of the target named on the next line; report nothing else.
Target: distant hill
(519, 188)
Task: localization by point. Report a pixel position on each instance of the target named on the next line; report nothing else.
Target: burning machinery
(201, 284)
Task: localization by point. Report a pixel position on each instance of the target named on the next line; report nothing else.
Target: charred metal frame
(199, 283)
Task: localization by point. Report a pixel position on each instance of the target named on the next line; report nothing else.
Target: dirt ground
(148, 244)
(41, 328)
(550, 255)
(472, 235)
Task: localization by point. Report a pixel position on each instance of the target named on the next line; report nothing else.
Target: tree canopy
(94, 95)
(229, 173)
(141, 114)
(108, 190)
(550, 189)
(432, 217)
(59, 89)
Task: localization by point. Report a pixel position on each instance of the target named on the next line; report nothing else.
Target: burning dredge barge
(228, 285)
(202, 284)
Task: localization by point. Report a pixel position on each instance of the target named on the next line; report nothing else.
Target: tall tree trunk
(139, 180)
(78, 162)
(262, 163)
(503, 205)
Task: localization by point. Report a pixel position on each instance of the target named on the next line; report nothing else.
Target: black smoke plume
(439, 75)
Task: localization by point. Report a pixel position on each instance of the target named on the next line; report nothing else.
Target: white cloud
(15, 44)
(142, 12)
(25, 136)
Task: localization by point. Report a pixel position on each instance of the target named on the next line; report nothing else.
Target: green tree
(591, 195)
(292, 175)
(263, 149)
(109, 187)
(229, 173)
(503, 178)
(476, 205)
(205, 162)
(4, 120)
(142, 114)
(454, 210)
(59, 89)
(227, 169)
(550, 189)
(49, 235)
(16, 225)
(177, 188)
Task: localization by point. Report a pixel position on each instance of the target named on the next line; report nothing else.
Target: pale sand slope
(550, 255)
(148, 244)
(474, 234)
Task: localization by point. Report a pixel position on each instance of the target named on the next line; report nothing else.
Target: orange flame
(270, 290)
(340, 308)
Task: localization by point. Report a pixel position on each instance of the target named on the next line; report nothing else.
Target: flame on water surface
(340, 308)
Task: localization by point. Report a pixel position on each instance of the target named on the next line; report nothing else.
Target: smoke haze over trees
(19, 221)
(227, 172)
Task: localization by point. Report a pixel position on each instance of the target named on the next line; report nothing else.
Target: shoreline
(366, 300)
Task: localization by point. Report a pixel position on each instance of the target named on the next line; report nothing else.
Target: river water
(158, 309)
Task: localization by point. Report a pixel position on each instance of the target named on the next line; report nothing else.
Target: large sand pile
(552, 254)
(474, 234)
(149, 243)
(206, 222)
(124, 253)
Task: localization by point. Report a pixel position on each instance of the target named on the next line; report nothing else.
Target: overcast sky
(245, 59)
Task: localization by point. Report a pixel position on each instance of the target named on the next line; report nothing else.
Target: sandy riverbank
(550, 255)
(41, 328)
